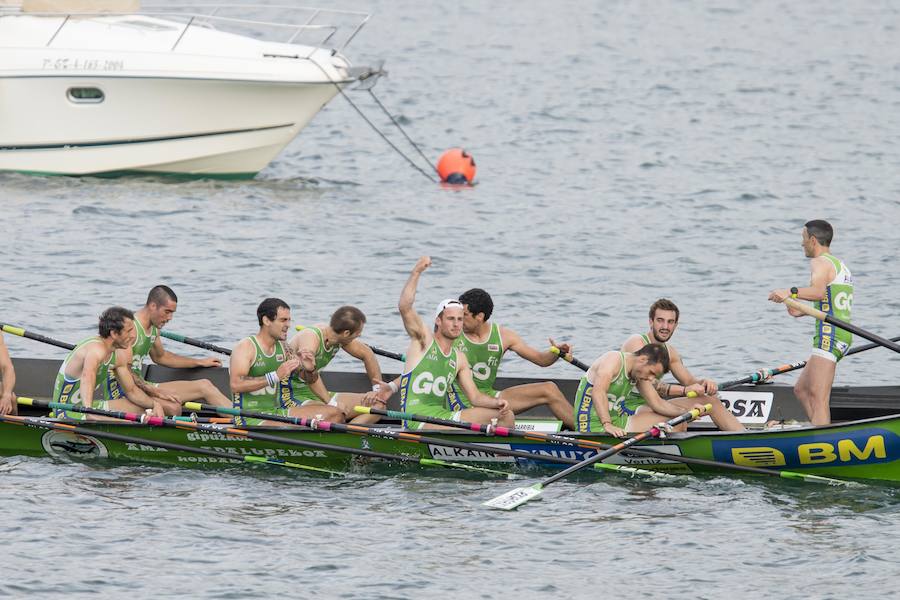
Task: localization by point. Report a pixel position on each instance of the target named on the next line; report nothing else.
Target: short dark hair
(269, 308)
(664, 304)
(159, 294)
(655, 353)
(347, 318)
(478, 301)
(821, 230)
(113, 320)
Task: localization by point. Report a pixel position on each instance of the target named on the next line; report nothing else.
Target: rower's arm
(633, 344)
(163, 357)
(129, 384)
(657, 404)
(7, 381)
(601, 373)
(822, 274)
(93, 356)
(361, 351)
(412, 322)
(467, 383)
(514, 342)
(239, 369)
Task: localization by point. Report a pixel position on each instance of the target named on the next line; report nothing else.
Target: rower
(610, 380)
(148, 320)
(433, 364)
(664, 315)
(831, 290)
(324, 341)
(261, 367)
(90, 363)
(484, 344)
(7, 382)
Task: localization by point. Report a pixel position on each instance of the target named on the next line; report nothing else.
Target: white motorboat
(103, 87)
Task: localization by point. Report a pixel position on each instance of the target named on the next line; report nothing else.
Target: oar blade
(515, 498)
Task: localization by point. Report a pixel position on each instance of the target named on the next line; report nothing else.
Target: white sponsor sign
(541, 425)
(748, 407)
(462, 454)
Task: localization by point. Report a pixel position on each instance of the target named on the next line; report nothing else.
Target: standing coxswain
(831, 290)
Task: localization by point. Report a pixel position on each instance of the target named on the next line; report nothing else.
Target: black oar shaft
(194, 342)
(854, 329)
(35, 336)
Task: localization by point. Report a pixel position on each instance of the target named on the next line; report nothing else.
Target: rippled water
(626, 151)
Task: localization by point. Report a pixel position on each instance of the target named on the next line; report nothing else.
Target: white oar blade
(514, 498)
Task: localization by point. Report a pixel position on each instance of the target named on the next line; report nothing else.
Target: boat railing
(341, 28)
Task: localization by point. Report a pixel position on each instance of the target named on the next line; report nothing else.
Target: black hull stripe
(137, 141)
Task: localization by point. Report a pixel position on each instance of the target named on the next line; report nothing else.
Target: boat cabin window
(85, 95)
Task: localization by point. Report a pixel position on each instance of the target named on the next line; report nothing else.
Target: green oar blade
(515, 498)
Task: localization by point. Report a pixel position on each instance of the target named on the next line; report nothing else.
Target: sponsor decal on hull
(862, 447)
(65, 444)
(748, 407)
(550, 450)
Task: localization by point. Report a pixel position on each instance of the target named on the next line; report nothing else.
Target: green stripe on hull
(862, 450)
(135, 173)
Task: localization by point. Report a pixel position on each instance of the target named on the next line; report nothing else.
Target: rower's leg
(123, 404)
(319, 410)
(644, 418)
(347, 402)
(197, 389)
(813, 389)
(526, 396)
(480, 415)
(720, 415)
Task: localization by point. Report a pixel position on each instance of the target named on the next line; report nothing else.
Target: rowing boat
(865, 448)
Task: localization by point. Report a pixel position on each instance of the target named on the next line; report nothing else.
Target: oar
(756, 377)
(194, 342)
(375, 349)
(520, 496)
(35, 336)
(821, 316)
(569, 358)
(220, 429)
(90, 432)
(407, 437)
(584, 443)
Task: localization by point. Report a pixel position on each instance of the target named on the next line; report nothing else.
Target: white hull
(165, 96)
(153, 125)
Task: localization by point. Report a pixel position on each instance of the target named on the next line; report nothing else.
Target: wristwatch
(794, 292)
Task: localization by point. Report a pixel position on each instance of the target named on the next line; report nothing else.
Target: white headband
(444, 304)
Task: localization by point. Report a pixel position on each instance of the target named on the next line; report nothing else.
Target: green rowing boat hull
(868, 449)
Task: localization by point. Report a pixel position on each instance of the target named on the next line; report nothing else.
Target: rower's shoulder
(634, 342)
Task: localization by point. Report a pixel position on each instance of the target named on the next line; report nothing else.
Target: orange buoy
(456, 166)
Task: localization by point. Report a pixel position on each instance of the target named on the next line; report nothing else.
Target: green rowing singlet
(299, 389)
(142, 344)
(621, 406)
(268, 399)
(423, 390)
(139, 351)
(829, 339)
(68, 390)
(484, 359)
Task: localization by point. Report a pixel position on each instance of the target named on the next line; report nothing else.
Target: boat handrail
(207, 15)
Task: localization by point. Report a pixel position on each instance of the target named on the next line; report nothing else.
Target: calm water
(626, 151)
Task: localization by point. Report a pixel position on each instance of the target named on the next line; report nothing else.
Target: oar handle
(569, 358)
(375, 349)
(195, 342)
(818, 314)
(35, 336)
